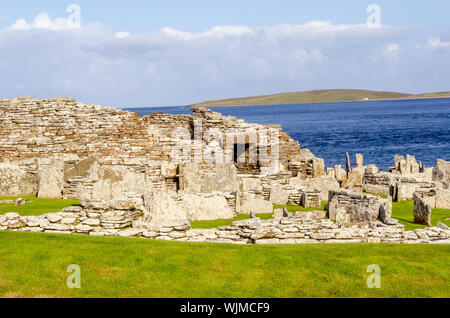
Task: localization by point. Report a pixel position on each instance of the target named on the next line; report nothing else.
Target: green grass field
(36, 207)
(34, 265)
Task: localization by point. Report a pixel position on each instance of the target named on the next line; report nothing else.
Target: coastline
(321, 102)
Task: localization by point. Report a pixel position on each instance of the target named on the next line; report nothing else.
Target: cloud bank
(94, 64)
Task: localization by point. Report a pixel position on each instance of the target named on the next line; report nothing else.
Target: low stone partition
(303, 228)
(349, 206)
(94, 217)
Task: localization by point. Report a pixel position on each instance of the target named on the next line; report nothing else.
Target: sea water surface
(377, 129)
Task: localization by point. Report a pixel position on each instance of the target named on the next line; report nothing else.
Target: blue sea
(377, 129)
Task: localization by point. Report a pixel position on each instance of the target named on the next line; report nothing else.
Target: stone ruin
(58, 148)
(351, 207)
(407, 180)
(131, 182)
(125, 218)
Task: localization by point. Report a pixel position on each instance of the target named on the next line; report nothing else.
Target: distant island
(317, 96)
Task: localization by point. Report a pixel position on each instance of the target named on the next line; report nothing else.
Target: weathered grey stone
(50, 178)
(91, 222)
(96, 204)
(251, 185)
(390, 221)
(312, 215)
(177, 234)
(278, 214)
(33, 221)
(268, 241)
(19, 202)
(80, 228)
(286, 213)
(422, 211)
(15, 180)
(191, 178)
(441, 172)
(371, 169)
(53, 217)
(348, 206)
(73, 209)
(265, 233)
(201, 207)
(256, 205)
(410, 235)
(59, 227)
(104, 232)
(194, 181)
(149, 234)
(279, 196)
(359, 160)
(443, 226)
(442, 199)
(324, 184)
(68, 220)
(355, 178)
(386, 210)
(169, 169)
(130, 232)
(12, 216)
(164, 238)
(162, 210)
(322, 236)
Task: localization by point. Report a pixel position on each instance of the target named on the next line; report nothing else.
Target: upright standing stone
(359, 160)
(348, 165)
(422, 211)
(279, 196)
(398, 159)
(50, 178)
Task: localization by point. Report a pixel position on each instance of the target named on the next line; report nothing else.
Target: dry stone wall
(349, 206)
(115, 218)
(131, 152)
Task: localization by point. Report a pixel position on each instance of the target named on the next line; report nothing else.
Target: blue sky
(198, 15)
(152, 53)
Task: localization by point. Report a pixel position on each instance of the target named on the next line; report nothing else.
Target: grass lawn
(37, 207)
(34, 265)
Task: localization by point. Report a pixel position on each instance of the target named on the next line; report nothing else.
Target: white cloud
(437, 43)
(168, 67)
(43, 21)
(391, 50)
(122, 35)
